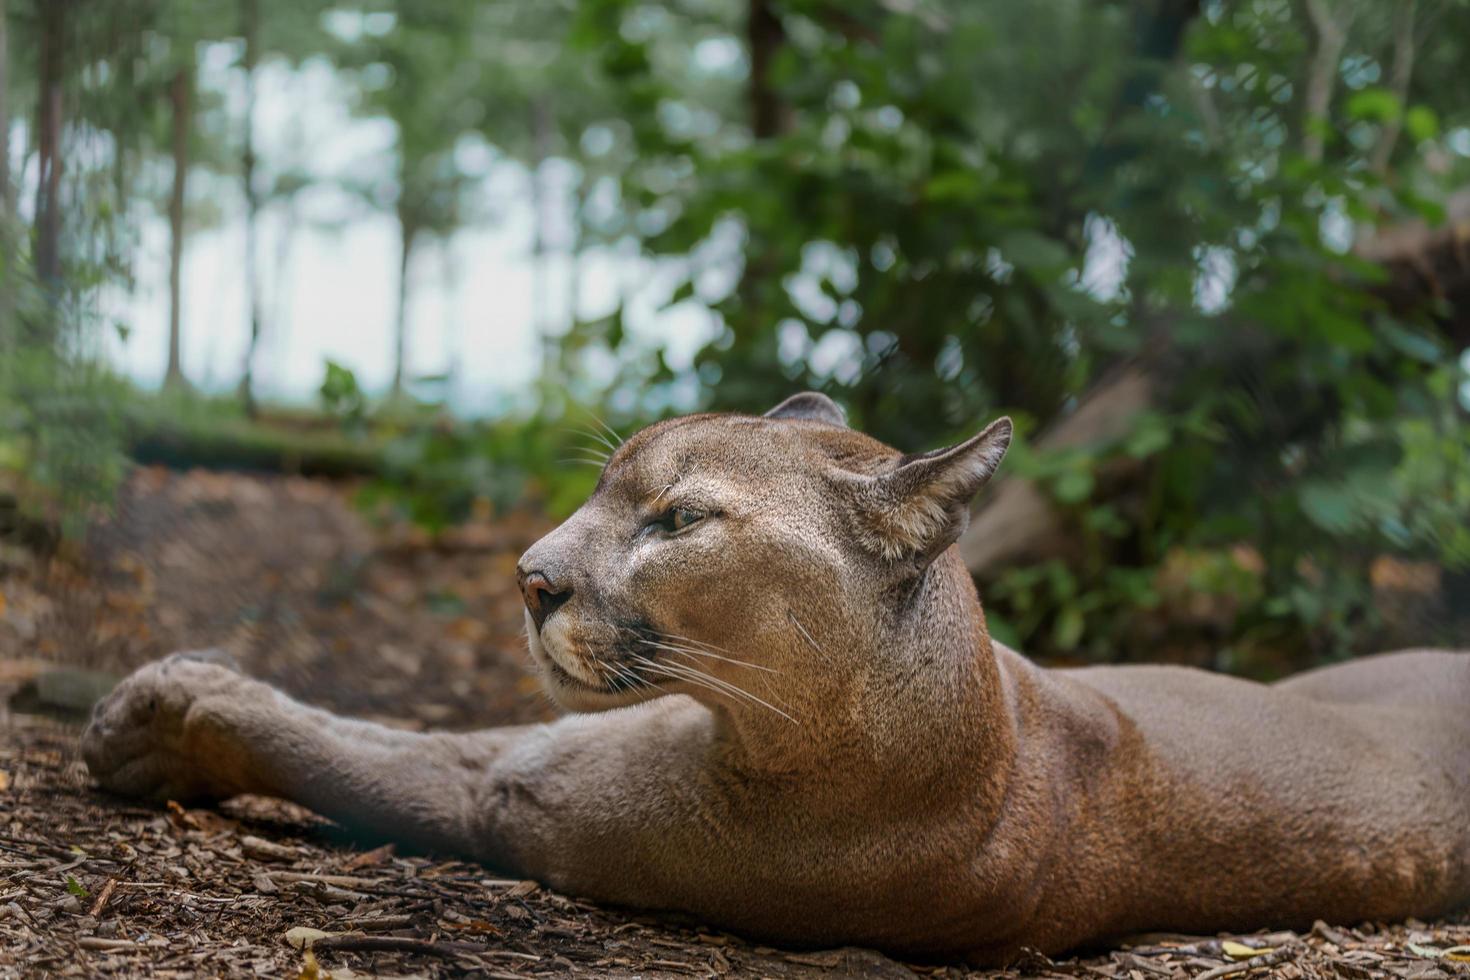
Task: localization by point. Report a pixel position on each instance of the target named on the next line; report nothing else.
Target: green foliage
(61, 441)
(64, 434)
(917, 238)
(437, 472)
(342, 398)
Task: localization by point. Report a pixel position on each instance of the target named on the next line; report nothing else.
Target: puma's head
(722, 555)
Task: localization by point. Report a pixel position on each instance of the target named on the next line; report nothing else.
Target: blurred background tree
(1211, 256)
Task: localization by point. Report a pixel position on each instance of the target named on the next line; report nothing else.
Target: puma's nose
(542, 597)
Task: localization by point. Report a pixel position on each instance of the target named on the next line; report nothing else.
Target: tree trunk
(7, 201)
(765, 37)
(1159, 30)
(578, 248)
(1399, 78)
(1429, 266)
(181, 99)
(48, 138)
(407, 235)
(250, 27)
(450, 277)
(1332, 29)
(541, 123)
(5, 114)
(280, 309)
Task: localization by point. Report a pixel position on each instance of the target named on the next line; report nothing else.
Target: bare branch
(1400, 75)
(1332, 30)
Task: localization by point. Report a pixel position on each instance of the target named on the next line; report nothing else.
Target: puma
(851, 758)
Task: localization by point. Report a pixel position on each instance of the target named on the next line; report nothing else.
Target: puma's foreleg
(189, 728)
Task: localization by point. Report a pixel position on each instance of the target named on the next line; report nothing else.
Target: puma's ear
(813, 406)
(921, 506)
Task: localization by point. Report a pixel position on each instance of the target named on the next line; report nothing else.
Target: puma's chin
(569, 683)
(575, 695)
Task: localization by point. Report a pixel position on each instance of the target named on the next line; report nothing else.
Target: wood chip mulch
(93, 886)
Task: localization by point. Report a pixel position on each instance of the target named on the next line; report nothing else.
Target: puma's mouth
(566, 678)
(573, 688)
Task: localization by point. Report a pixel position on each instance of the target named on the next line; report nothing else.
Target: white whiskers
(803, 631)
(691, 652)
(692, 675)
(616, 439)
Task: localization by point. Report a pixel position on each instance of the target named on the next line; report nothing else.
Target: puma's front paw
(178, 728)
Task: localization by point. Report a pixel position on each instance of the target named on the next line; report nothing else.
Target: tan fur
(888, 776)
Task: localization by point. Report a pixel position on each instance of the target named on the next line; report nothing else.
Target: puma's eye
(678, 519)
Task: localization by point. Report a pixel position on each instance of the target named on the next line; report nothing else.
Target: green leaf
(685, 291)
(1374, 104)
(957, 186)
(75, 887)
(1067, 632)
(1073, 486)
(1001, 629)
(1034, 251)
(1149, 436)
(1328, 505)
(1415, 345)
(1421, 123)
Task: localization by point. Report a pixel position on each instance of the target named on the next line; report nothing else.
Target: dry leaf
(303, 937)
(1240, 951)
(266, 850)
(473, 925)
(206, 822)
(369, 859)
(522, 890)
(102, 897)
(177, 815)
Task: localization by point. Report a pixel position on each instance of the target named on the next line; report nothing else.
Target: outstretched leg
(594, 804)
(633, 807)
(188, 727)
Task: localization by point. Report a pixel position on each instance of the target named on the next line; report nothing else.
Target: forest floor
(381, 623)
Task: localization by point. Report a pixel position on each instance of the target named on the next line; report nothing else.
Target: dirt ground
(382, 623)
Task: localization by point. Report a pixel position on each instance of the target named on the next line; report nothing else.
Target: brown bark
(250, 27)
(1399, 77)
(769, 117)
(181, 100)
(7, 200)
(1331, 27)
(407, 238)
(765, 37)
(6, 197)
(1428, 263)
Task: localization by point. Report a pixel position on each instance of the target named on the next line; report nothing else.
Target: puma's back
(1343, 793)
